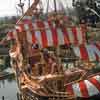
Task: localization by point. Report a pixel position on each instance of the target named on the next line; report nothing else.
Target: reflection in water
(8, 88)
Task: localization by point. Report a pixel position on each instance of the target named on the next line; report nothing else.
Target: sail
(46, 33)
(90, 52)
(10, 35)
(85, 88)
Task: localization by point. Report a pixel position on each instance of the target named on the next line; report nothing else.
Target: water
(8, 88)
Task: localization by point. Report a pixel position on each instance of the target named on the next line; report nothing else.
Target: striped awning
(47, 34)
(90, 52)
(85, 88)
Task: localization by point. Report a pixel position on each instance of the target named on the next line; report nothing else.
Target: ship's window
(40, 69)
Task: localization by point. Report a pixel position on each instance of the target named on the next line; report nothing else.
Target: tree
(88, 10)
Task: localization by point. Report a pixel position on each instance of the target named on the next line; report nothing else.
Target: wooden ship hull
(45, 56)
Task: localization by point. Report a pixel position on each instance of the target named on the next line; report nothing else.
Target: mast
(58, 48)
(29, 3)
(55, 6)
(29, 12)
(47, 6)
(21, 5)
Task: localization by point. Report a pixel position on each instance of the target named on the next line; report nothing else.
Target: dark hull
(96, 97)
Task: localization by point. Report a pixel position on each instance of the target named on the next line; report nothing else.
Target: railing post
(3, 98)
(19, 96)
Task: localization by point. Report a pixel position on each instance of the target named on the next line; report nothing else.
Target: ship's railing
(76, 81)
(28, 93)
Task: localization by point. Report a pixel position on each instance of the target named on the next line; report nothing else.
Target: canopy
(90, 52)
(46, 33)
(85, 88)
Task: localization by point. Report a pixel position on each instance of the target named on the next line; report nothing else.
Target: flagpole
(55, 6)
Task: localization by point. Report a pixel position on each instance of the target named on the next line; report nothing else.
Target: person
(45, 54)
(53, 65)
(33, 49)
(29, 69)
(50, 61)
(74, 73)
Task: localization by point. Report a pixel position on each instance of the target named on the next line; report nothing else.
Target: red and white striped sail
(10, 35)
(85, 88)
(47, 34)
(90, 52)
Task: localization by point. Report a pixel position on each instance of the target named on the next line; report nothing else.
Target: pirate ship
(51, 57)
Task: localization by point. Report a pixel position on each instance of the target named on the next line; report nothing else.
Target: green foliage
(97, 68)
(6, 23)
(6, 63)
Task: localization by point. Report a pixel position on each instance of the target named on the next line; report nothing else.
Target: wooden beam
(29, 12)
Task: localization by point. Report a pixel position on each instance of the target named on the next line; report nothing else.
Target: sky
(9, 7)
